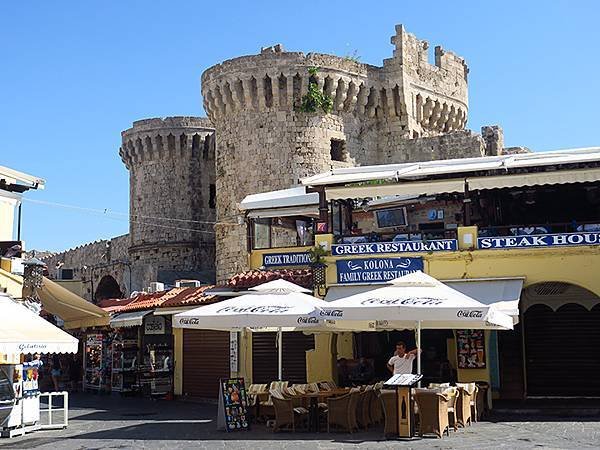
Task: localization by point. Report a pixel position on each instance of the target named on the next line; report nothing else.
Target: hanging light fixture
(33, 279)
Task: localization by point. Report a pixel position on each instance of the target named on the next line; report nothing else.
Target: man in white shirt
(402, 361)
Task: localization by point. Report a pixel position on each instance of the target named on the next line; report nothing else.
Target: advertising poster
(470, 349)
(235, 403)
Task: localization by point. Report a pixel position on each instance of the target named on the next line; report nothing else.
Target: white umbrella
(277, 305)
(415, 301)
(23, 331)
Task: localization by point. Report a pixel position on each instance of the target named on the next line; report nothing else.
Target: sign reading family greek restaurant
(539, 240)
(286, 259)
(375, 270)
(437, 245)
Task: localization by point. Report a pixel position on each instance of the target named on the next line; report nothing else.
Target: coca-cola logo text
(420, 301)
(189, 321)
(308, 320)
(332, 313)
(268, 309)
(469, 314)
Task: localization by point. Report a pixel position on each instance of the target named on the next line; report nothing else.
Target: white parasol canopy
(414, 301)
(416, 297)
(23, 331)
(274, 306)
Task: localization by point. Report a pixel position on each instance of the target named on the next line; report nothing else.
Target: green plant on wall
(315, 99)
(316, 254)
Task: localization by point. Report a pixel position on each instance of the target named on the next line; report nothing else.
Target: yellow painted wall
(469, 375)
(12, 283)
(577, 265)
(178, 357)
(319, 362)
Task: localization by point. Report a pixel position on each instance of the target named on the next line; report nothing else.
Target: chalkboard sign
(470, 349)
(233, 405)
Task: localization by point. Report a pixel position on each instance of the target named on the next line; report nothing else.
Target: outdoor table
(313, 406)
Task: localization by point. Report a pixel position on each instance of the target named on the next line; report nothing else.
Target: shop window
(262, 233)
(338, 150)
(212, 196)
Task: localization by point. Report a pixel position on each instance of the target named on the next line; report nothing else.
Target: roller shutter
(264, 356)
(205, 360)
(562, 350)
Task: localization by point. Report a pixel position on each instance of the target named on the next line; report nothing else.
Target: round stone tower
(171, 165)
(264, 141)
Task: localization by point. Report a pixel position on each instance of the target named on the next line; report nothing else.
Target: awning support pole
(418, 342)
(279, 354)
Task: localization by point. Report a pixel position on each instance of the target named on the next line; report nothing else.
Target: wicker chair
(375, 409)
(337, 413)
(482, 399)
(463, 407)
(389, 405)
(362, 409)
(433, 413)
(473, 402)
(286, 415)
(452, 394)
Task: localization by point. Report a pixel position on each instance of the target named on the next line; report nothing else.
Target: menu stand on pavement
(403, 384)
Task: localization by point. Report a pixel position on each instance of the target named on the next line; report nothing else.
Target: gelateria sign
(286, 259)
(375, 270)
(437, 245)
(540, 240)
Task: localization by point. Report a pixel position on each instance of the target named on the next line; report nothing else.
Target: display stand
(233, 405)
(403, 384)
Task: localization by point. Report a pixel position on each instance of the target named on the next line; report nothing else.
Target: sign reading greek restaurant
(286, 259)
(437, 245)
(539, 240)
(375, 270)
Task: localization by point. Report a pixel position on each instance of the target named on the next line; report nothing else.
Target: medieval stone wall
(406, 110)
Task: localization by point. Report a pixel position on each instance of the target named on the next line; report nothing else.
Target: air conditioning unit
(187, 283)
(156, 287)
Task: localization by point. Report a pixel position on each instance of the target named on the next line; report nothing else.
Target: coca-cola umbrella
(274, 306)
(414, 301)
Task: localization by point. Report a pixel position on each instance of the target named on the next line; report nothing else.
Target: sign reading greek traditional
(286, 259)
(375, 270)
(437, 245)
(538, 240)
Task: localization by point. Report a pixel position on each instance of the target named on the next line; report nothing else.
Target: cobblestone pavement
(108, 422)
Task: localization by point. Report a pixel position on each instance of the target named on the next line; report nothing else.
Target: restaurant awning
(22, 331)
(409, 188)
(296, 196)
(76, 312)
(534, 179)
(129, 319)
(306, 210)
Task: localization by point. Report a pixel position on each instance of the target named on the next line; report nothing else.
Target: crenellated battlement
(429, 99)
(158, 138)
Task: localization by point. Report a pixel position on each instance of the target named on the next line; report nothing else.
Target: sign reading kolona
(437, 245)
(375, 270)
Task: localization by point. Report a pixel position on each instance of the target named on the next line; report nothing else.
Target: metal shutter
(562, 350)
(205, 360)
(264, 356)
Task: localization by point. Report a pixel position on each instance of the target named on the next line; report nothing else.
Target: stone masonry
(405, 110)
(188, 174)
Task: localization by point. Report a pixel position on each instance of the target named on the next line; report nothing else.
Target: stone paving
(108, 422)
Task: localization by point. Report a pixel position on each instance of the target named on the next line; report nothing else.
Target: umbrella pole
(279, 354)
(418, 342)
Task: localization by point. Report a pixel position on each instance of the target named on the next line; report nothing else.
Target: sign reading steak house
(539, 240)
(438, 245)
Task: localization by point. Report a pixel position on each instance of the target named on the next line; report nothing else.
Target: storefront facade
(487, 243)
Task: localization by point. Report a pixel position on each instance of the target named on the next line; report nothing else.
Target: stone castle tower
(171, 165)
(405, 110)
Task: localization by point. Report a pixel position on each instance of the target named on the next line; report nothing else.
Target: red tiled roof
(190, 296)
(301, 277)
(114, 304)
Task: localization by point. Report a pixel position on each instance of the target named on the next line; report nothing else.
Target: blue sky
(74, 74)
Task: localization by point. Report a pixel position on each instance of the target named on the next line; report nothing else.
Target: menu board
(233, 403)
(470, 349)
